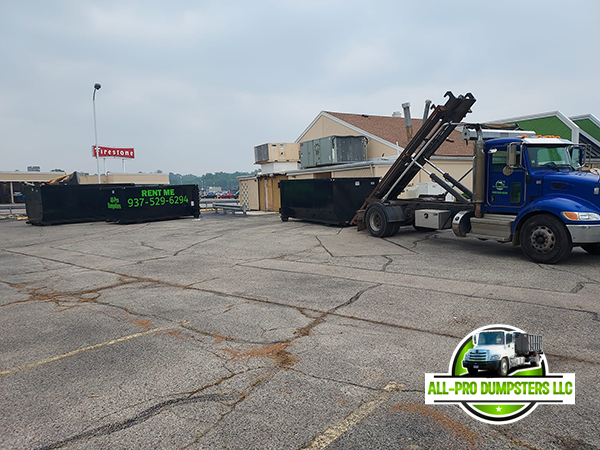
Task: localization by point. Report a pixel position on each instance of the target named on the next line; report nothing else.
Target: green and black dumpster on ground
(50, 204)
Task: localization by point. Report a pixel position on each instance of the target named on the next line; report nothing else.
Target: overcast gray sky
(193, 86)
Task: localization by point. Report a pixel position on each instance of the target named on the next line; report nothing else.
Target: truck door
(510, 346)
(506, 178)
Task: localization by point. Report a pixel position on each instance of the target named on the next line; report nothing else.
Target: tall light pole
(96, 87)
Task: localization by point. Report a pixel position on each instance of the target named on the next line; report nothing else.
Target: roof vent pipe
(426, 111)
(407, 121)
(397, 114)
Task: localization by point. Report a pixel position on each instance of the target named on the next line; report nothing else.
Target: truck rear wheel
(394, 227)
(503, 368)
(545, 239)
(592, 249)
(376, 221)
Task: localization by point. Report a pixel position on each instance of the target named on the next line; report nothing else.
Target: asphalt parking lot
(234, 332)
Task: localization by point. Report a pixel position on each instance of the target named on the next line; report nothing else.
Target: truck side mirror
(579, 155)
(514, 156)
(474, 339)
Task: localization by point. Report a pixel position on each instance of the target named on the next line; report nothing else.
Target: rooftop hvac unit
(333, 150)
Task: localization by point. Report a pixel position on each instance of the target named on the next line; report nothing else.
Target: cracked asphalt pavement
(235, 332)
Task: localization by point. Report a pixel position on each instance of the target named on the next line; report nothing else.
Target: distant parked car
(237, 194)
(19, 197)
(210, 195)
(226, 195)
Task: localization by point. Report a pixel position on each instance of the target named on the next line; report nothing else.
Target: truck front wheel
(545, 239)
(503, 368)
(472, 371)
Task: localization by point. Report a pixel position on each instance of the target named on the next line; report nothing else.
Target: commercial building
(385, 136)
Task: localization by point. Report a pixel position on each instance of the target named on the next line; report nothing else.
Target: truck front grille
(478, 356)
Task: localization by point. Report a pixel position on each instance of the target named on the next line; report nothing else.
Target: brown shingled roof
(393, 129)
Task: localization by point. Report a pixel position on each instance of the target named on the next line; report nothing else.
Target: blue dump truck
(537, 192)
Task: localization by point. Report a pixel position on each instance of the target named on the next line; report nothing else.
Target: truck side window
(508, 338)
(515, 192)
(499, 159)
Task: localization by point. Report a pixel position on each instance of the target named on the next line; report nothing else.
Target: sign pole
(96, 87)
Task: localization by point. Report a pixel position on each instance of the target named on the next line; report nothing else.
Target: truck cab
(500, 350)
(538, 196)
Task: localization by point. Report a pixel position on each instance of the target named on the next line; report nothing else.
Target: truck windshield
(550, 157)
(491, 338)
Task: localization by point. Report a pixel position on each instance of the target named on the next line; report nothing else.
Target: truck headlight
(581, 216)
(494, 357)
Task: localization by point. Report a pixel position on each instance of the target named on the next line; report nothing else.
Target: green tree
(225, 180)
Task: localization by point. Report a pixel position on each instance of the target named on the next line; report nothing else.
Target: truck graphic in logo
(499, 351)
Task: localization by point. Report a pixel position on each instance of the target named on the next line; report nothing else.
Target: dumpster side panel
(528, 343)
(56, 204)
(330, 201)
(134, 204)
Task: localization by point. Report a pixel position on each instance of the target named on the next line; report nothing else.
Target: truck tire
(394, 227)
(472, 371)
(534, 362)
(284, 218)
(592, 249)
(545, 239)
(503, 368)
(376, 221)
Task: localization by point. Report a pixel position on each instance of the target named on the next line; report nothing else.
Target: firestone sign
(112, 152)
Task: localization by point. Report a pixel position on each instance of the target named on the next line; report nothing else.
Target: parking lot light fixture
(97, 86)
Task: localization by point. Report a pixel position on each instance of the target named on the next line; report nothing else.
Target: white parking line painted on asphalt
(85, 349)
(336, 431)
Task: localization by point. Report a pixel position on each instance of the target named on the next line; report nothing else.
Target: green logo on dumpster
(114, 203)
